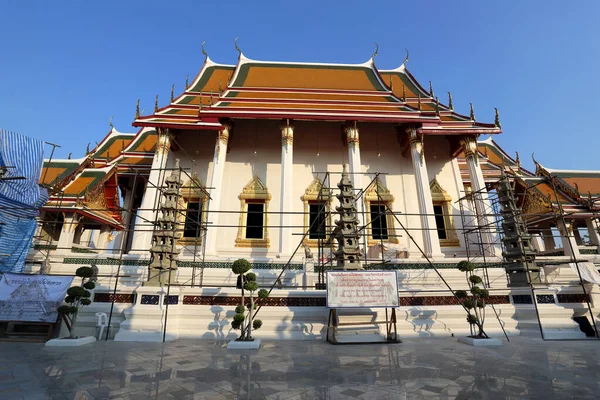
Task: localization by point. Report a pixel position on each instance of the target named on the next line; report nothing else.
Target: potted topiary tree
(77, 297)
(243, 318)
(474, 302)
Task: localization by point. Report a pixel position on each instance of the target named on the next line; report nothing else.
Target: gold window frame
(310, 196)
(254, 192)
(440, 197)
(377, 192)
(192, 190)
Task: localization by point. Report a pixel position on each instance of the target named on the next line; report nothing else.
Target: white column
(65, 241)
(127, 214)
(480, 196)
(144, 226)
(431, 239)
(592, 225)
(103, 238)
(356, 177)
(568, 239)
(216, 188)
(287, 164)
(548, 239)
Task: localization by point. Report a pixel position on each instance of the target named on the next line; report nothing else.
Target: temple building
(245, 163)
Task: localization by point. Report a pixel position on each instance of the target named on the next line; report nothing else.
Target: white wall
(380, 152)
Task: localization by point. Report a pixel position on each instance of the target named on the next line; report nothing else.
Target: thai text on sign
(356, 289)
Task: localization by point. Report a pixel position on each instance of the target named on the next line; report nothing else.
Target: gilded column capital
(287, 133)
(223, 134)
(469, 145)
(416, 140)
(163, 145)
(352, 136)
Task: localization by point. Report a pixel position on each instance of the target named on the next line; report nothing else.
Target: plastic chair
(101, 322)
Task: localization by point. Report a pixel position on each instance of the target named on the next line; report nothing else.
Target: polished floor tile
(525, 368)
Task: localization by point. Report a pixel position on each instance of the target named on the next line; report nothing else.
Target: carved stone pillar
(483, 209)
(147, 212)
(216, 188)
(286, 202)
(431, 240)
(353, 141)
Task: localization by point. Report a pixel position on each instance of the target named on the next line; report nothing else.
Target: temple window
(442, 211)
(316, 200)
(379, 215)
(254, 204)
(195, 199)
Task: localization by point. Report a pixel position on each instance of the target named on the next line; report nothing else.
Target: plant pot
(237, 344)
(471, 341)
(67, 342)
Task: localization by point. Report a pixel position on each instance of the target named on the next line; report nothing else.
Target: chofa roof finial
(518, 160)
(450, 101)
(437, 106)
(156, 104)
(376, 51)
(431, 94)
(69, 156)
(497, 119)
(204, 51)
(472, 112)
(137, 109)
(172, 93)
(406, 59)
(236, 46)
(187, 81)
(110, 122)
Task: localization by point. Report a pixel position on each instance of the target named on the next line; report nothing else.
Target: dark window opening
(255, 221)
(379, 225)
(193, 220)
(440, 222)
(316, 221)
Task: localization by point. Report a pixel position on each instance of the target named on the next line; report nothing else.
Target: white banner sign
(357, 289)
(32, 298)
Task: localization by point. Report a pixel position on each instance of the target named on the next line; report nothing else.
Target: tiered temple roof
(309, 91)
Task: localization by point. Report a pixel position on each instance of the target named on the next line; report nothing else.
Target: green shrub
(76, 291)
(84, 272)
(474, 279)
(239, 309)
(461, 294)
(89, 285)
(251, 286)
(256, 324)
(465, 266)
(240, 266)
(468, 304)
(471, 319)
(477, 291)
(251, 277)
(239, 317)
(263, 293)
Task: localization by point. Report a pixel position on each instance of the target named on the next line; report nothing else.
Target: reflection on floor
(430, 368)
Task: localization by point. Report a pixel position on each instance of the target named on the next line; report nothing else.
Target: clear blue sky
(68, 66)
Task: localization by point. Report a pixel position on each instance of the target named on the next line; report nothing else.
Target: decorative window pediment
(195, 201)
(380, 220)
(254, 205)
(443, 215)
(317, 218)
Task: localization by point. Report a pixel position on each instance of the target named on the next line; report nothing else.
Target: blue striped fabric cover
(20, 199)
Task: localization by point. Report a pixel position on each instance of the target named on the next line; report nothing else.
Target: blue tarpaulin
(20, 199)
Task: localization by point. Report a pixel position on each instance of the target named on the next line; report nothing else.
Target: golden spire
(518, 160)
(187, 84)
(172, 93)
(431, 94)
(497, 119)
(137, 109)
(472, 112)
(419, 101)
(156, 104)
(200, 106)
(450, 101)
(87, 149)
